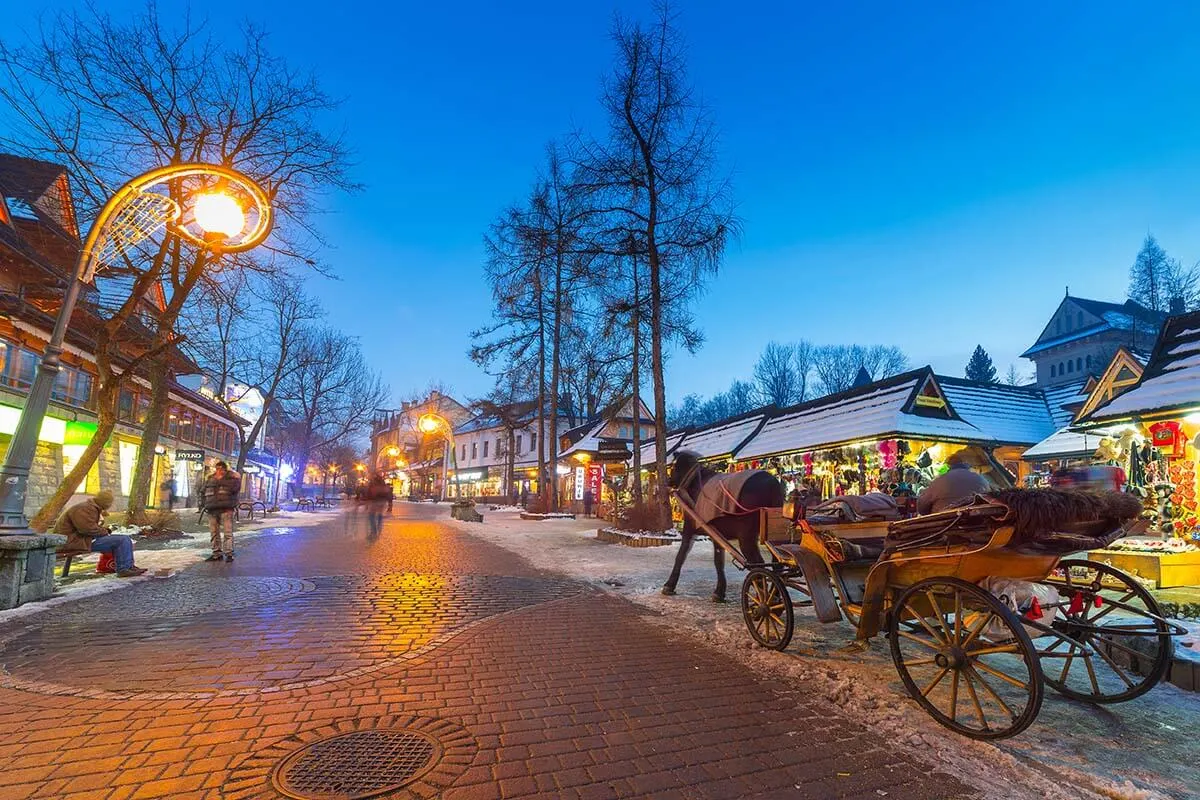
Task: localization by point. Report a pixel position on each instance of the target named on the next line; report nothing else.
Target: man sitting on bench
(81, 525)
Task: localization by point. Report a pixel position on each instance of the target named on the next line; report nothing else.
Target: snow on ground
(1140, 750)
(163, 559)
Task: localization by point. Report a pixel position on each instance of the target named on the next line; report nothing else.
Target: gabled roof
(892, 407)
(1009, 414)
(1171, 383)
(1064, 401)
(585, 438)
(1128, 316)
(1122, 373)
(725, 438)
(672, 444)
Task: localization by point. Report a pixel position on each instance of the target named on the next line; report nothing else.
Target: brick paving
(532, 685)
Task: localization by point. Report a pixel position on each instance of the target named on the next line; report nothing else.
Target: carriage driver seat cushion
(862, 549)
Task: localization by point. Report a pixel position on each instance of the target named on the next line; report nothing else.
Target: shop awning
(1067, 443)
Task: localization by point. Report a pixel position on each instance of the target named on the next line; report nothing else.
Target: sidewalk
(1137, 751)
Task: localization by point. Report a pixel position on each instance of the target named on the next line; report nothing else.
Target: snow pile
(1141, 750)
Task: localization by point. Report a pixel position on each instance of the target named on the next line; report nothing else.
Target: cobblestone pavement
(444, 666)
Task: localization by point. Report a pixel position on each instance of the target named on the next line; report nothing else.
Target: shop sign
(189, 455)
(464, 475)
(613, 450)
(251, 469)
(580, 479)
(611, 444)
(595, 474)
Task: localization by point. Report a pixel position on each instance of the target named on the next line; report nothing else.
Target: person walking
(220, 495)
(81, 524)
(376, 496)
(166, 493)
(588, 500)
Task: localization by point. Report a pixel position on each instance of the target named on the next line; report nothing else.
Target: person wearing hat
(957, 485)
(220, 493)
(81, 524)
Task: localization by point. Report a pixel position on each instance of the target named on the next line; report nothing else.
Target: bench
(304, 502)
(67, 556)
(249, 506)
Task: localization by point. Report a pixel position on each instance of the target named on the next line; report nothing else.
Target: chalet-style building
(39, 245)
(414, 460)
(1082, 336)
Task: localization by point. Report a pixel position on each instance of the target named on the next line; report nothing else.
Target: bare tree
(656, 175)
(109, 96)
(1012, 377)
(837, 365)
(330, 396)
(247, 334)
(777, 376)
(536, 264)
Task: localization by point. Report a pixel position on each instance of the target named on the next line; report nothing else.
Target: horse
(760, 490)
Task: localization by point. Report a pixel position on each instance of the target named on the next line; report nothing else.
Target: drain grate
(358, 765)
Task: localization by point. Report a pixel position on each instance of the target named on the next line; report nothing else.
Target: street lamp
(430, 423)
(206, 204)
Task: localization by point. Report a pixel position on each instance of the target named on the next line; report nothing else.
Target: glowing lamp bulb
(428, 424)
(217, 212)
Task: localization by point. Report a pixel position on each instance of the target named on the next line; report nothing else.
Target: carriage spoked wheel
(1112, 642)
(969, 661)
(767, 609)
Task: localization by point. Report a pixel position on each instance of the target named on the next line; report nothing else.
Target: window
(533, 441)
(499, 447)
(210, 434)
(143, 408)
(1070, 365)
(518, 444)
(485, 447)
(173, 421)
(1079, 364)
(25, 369)
(127, 457)
(125, 404)
(474, 450)
(186, 426)
(1052, 370)
(464, 455)
(81, 394)
(1062, 370)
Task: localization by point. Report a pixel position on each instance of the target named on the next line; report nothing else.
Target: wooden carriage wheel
(969, 661)
(767, 609)
(1113, 643)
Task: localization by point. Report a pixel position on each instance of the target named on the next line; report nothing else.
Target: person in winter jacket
(956, 486)
(220, 496)
(376, 496)
(82, 525)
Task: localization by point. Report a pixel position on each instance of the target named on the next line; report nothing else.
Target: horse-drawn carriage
(941, 587)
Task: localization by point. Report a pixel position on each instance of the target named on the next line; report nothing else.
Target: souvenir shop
(1156, 445)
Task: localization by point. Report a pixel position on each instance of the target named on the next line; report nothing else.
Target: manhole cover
(357, 765)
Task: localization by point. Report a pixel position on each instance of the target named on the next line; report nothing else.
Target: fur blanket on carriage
(1043, 520)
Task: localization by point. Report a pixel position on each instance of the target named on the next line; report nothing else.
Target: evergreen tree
(980, 367)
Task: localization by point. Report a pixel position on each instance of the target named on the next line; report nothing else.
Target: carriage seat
(866, 549)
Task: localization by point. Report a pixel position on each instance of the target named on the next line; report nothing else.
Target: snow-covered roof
(673, 440)
(1171, 382)
(1066, 443)
(723, 439)
(1061, 396)
(1009, 414)
(875, 411)
(588, 442)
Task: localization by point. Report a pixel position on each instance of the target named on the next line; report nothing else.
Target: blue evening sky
(930, 175)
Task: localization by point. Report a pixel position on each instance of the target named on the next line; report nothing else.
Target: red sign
(595, 474)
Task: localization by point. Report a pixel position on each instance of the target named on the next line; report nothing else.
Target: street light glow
(429, 423)
(217, 212)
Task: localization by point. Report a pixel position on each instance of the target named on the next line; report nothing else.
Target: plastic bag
(1032, 601)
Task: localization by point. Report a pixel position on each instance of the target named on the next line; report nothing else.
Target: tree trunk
(105, 424)
(660, 392)
(555, 377)
(143, 471)
(636, 379)
(544, 481)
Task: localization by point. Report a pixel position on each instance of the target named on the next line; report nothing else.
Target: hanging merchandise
(1167, 438)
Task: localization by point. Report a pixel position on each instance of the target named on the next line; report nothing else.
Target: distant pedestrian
(524, 496)
(376, 496)
(220, 497)
(588, 500)
(391, 496)
(81, 524)
(166, 493)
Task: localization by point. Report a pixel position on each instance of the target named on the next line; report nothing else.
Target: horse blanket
(859, 508)
(719, 495)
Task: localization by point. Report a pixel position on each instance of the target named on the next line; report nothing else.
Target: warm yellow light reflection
(217, 212)
(430, 423)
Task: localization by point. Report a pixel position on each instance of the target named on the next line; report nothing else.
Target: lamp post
(214, 219)
(430, 423)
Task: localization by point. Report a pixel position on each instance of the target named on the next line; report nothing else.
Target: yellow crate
(1166, 569)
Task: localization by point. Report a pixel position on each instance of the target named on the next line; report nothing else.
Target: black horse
(761, 490)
